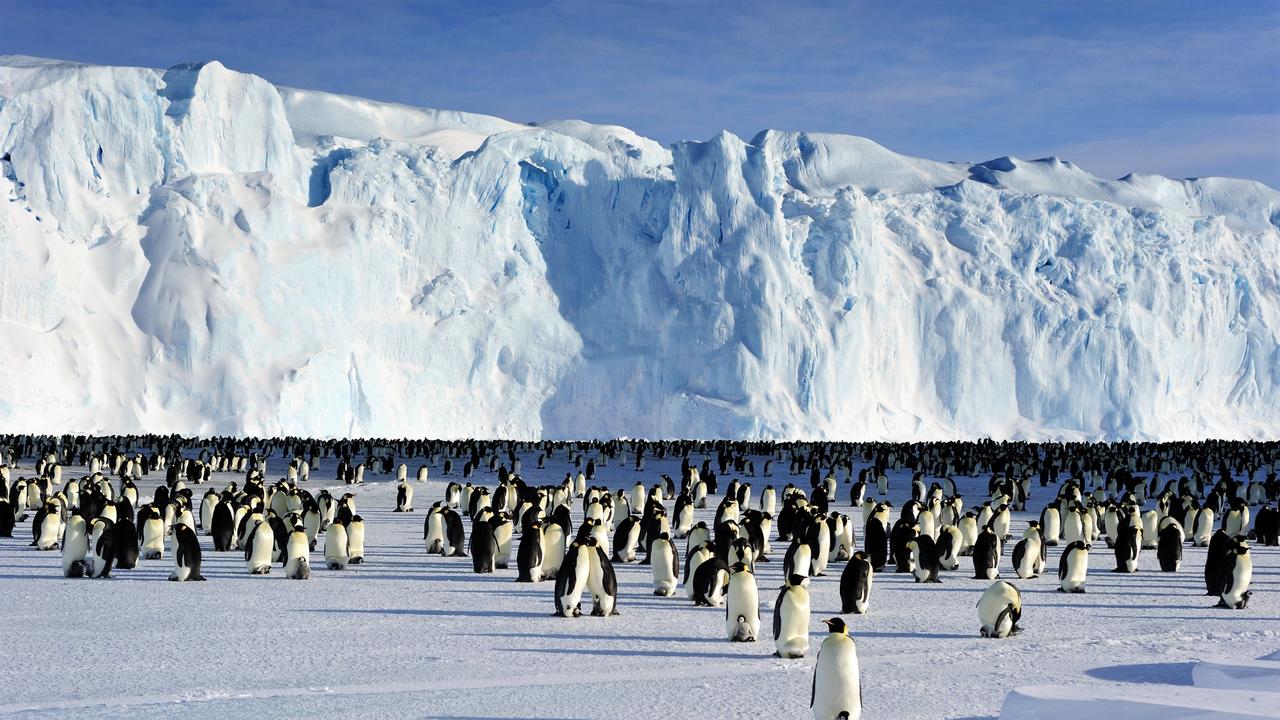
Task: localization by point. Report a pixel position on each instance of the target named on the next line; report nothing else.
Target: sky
(1183, 89)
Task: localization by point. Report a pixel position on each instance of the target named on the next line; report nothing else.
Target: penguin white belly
(1077, 571)
(802, 560)
(1241, 576)
(602, 538)
(1073, 529)
(627, 552)
(836, 683)
(153, 539)
(552, 551)
(50, 532)
(928, 526)
(742, 609)
(697, 558)
(968, 535)
(355, 542)
(335, 548)
(664, 578)
(995, 610)
(298, 566)
(435, 539)
(818, 560)
(571, 600)
(260, 551)
(793, 625)
(74, 547)
(604, 599)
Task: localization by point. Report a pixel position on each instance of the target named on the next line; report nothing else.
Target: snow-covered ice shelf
(198, 250)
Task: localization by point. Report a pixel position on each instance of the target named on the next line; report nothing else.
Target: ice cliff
(196, 250)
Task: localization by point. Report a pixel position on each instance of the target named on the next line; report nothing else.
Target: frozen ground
(407, 635)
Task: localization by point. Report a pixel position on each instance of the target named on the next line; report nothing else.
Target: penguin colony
(1126, 498)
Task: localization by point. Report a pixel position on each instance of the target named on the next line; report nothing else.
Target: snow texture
(411, 635)
(197, 250)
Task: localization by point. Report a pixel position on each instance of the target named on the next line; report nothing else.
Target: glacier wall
(196, 250)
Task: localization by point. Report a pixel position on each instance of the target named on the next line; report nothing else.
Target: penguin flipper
(813, 685)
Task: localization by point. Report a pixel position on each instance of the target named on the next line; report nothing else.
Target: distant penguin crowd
(1128, 498)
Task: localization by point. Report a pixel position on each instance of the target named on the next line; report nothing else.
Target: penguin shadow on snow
(597, 638)
(1211, 613)
(1175, 673)
(427, 612)
(855, 634)
(482, 717)
(632, 652)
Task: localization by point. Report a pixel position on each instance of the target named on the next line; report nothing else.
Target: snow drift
(197, 250)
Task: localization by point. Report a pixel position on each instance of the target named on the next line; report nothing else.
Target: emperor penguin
(207, 504)
(571, 580)
(75, 545)
(1026, 557)
(1000, 520)
(1169, 549)
(483, 548)
(664, 562)
(694, 557)
(1128, 544)
(698, 535)
(999, 610)
(1237, 573)
(223, 527)
(102, 547)
(503, 528)
(355, 540)
(259, 547)
(47, 527)
(791, 618)
(335, 547)
(1202, 527)
(530, 554)
(297, 564)
(742, 605)
(986, 556)
(710, 581)
(768, 499)
(924, 559)
(433, 532)
(1150, 529)
(126, 543)
(1073, 567)
(1220, 545)
(625, 539)
(836, 693)
(404, 497)
(8, 518)
(186, 553)
(876, 540)
(603, 584)
(683, 515)
(819, 540)
(855, 584)
(798, 559)
(153, 532)
(555, 542)
(1235, 521)
(968, 527)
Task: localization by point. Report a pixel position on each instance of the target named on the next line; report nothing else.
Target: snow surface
(197, 250)
(411, 635)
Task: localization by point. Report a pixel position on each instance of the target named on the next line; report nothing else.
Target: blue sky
(1179, 88)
